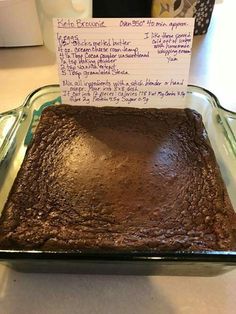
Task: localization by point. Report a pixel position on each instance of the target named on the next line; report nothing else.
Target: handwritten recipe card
(124, 62)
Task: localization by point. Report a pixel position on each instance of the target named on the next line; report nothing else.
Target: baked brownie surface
(118, 179)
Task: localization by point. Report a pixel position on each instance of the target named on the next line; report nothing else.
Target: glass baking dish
(16, 130)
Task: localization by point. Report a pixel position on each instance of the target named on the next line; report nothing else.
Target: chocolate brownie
(118, 179)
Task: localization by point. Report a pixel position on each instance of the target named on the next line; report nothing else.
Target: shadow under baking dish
(16, 130)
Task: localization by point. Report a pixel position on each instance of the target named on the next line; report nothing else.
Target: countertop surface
(213, 66)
